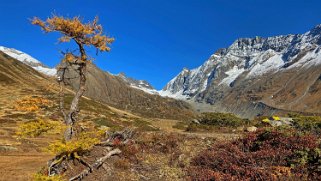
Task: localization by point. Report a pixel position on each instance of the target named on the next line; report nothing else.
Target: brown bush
(130, 152)
(122, 163)
(161, 143)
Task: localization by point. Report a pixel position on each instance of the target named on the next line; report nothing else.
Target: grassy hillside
(112, 90)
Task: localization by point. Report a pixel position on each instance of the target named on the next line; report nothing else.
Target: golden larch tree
(84, 35)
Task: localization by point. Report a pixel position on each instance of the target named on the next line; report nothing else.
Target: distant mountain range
(253, 76)
(283, 72)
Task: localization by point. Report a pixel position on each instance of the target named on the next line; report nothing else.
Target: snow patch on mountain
(16, 54)
(28, 60)
(273, 63)
(147, 90)
(138, 84)
(177, 95)
(46, 70)
(310, 59)
(232, 75)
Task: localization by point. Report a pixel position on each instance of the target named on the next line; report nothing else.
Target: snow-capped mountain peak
(28, 60)
(248, 58)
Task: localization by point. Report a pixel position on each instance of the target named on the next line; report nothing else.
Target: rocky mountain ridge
(256, 70)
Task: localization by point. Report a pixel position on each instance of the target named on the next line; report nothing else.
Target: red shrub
(263, 155)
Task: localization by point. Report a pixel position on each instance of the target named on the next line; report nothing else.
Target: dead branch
(122, 136)
(95, 165)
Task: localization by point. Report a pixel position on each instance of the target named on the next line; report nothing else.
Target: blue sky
(156, 39)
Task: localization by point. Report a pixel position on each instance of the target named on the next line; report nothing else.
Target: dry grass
(161, 152)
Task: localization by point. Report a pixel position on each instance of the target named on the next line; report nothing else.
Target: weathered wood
(95, 165)
(74, 109)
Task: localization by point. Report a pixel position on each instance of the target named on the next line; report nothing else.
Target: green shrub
(308, 123)
(222, 120)
(306, 156)
(144, 125)
(214, 121)
(193, 127)
(108, 122)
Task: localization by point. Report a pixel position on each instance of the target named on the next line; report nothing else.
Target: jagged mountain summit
(138, 84)
(280, 71)
(29, 60)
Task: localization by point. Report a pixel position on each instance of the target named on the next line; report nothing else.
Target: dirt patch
(20, 167)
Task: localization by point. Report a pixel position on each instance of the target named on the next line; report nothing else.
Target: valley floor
(21, 158)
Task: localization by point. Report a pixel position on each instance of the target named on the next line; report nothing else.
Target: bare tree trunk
(61, 80)
(74, 110)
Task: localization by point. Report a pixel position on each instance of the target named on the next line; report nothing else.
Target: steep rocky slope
(256, 75)
(113, 90)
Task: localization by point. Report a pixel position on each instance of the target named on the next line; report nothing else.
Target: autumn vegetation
(263, 155)
(83, 34)
(75, 141)
(272, 153)
(31, 104)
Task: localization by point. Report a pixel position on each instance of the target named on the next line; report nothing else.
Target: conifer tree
(84, 35)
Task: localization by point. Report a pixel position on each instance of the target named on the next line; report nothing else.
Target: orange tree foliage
(263, 155)
(32, 103)
(90, 33)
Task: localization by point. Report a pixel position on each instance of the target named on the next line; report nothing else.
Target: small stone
(196, 121)
(251, 129)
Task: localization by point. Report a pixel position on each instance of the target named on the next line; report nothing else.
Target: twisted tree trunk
(71, 118)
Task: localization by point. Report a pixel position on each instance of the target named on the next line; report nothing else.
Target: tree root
(114, 140)
(82, 161)
(57, 160)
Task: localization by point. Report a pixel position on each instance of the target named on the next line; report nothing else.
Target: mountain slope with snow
(257, 65)
(28, 60)
(138, 84)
